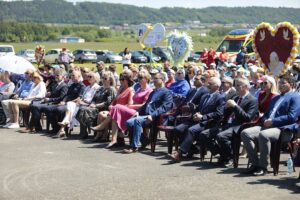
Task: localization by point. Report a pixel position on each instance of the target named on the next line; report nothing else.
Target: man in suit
(55, 95)
(281, 114)
(210, 108)
(192, 99)
(227, 88)
(55, 112)
(236, 112)
(160, 101)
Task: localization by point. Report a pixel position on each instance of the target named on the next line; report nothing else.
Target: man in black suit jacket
(227, 88)
(160, 101)
(210, 108)
(238, 111)
(55, 95)
(192, 99)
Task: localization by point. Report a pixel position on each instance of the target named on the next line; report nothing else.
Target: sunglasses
(122, 79)
(26, 72)
(140, 77)
(264, 83)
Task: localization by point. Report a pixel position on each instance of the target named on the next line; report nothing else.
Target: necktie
(275, 108)
(206, 101)
(232, 116)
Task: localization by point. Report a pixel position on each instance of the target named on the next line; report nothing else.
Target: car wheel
(107, 61)
(56, 61)
(80, 61)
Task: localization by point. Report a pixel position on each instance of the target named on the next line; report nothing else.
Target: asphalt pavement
(37, 166)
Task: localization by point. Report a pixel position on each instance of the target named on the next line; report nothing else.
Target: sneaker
(6, 125)
(13, 126)
(260, 172)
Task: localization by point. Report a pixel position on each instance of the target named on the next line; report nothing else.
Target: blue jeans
(135, 127)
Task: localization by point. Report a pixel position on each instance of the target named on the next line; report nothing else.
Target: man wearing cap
(100, 69)
(180, 87)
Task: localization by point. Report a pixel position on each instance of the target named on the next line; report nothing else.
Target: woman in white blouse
(37, 91)
(8, 86)
(85, 100)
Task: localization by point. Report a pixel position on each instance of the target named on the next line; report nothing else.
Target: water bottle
(289, 166)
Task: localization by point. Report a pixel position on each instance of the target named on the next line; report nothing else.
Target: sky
(203, 3)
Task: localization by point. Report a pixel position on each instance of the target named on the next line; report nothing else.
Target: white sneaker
(13, 125)
(6, 125)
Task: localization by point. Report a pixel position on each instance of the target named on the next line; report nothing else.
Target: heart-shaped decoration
(275, 48)
(180, 45)
(151, 36)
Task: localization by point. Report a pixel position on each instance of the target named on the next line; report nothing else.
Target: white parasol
(15, 64)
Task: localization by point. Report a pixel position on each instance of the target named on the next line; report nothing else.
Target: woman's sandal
(131, 150)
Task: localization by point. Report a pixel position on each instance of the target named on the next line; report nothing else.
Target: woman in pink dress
(119, 114)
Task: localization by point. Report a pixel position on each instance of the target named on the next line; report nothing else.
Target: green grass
(115, 46)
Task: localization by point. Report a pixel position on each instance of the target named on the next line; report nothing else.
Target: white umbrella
(15, 64)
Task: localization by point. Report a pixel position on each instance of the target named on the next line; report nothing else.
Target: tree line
(29, 32)
(60, 11)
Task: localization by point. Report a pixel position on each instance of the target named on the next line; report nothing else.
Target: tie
(206, 101)
(232, 116)
(239, 101)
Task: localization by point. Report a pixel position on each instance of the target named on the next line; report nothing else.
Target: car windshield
(136, 53)
(231, 45)
(166, 52)
(30, 52)
(6, 49)
(89, 52)
(111, 53)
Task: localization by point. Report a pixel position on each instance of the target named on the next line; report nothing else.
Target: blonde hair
(145, 74)
(109, 75)
(273, 83)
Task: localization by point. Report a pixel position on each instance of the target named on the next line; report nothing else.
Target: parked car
(137, 57)
(6, 50)
(85, 55)
(52, 56)
(108, 56)
(194, 56)
(28, 54)
(155, 57)
(162, 52)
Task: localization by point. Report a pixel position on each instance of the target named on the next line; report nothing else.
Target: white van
(6, 50)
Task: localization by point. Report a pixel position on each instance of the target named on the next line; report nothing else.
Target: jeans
(135, 127)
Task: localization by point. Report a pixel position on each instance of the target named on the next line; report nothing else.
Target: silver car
(85, 55)
(108, 56)
(28, 54)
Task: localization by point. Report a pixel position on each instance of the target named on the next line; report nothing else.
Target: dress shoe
(111, 145)
(228, 164)
(250, 170)
(260, 172)
(131, 150)
(176, 157)
(27, 131)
